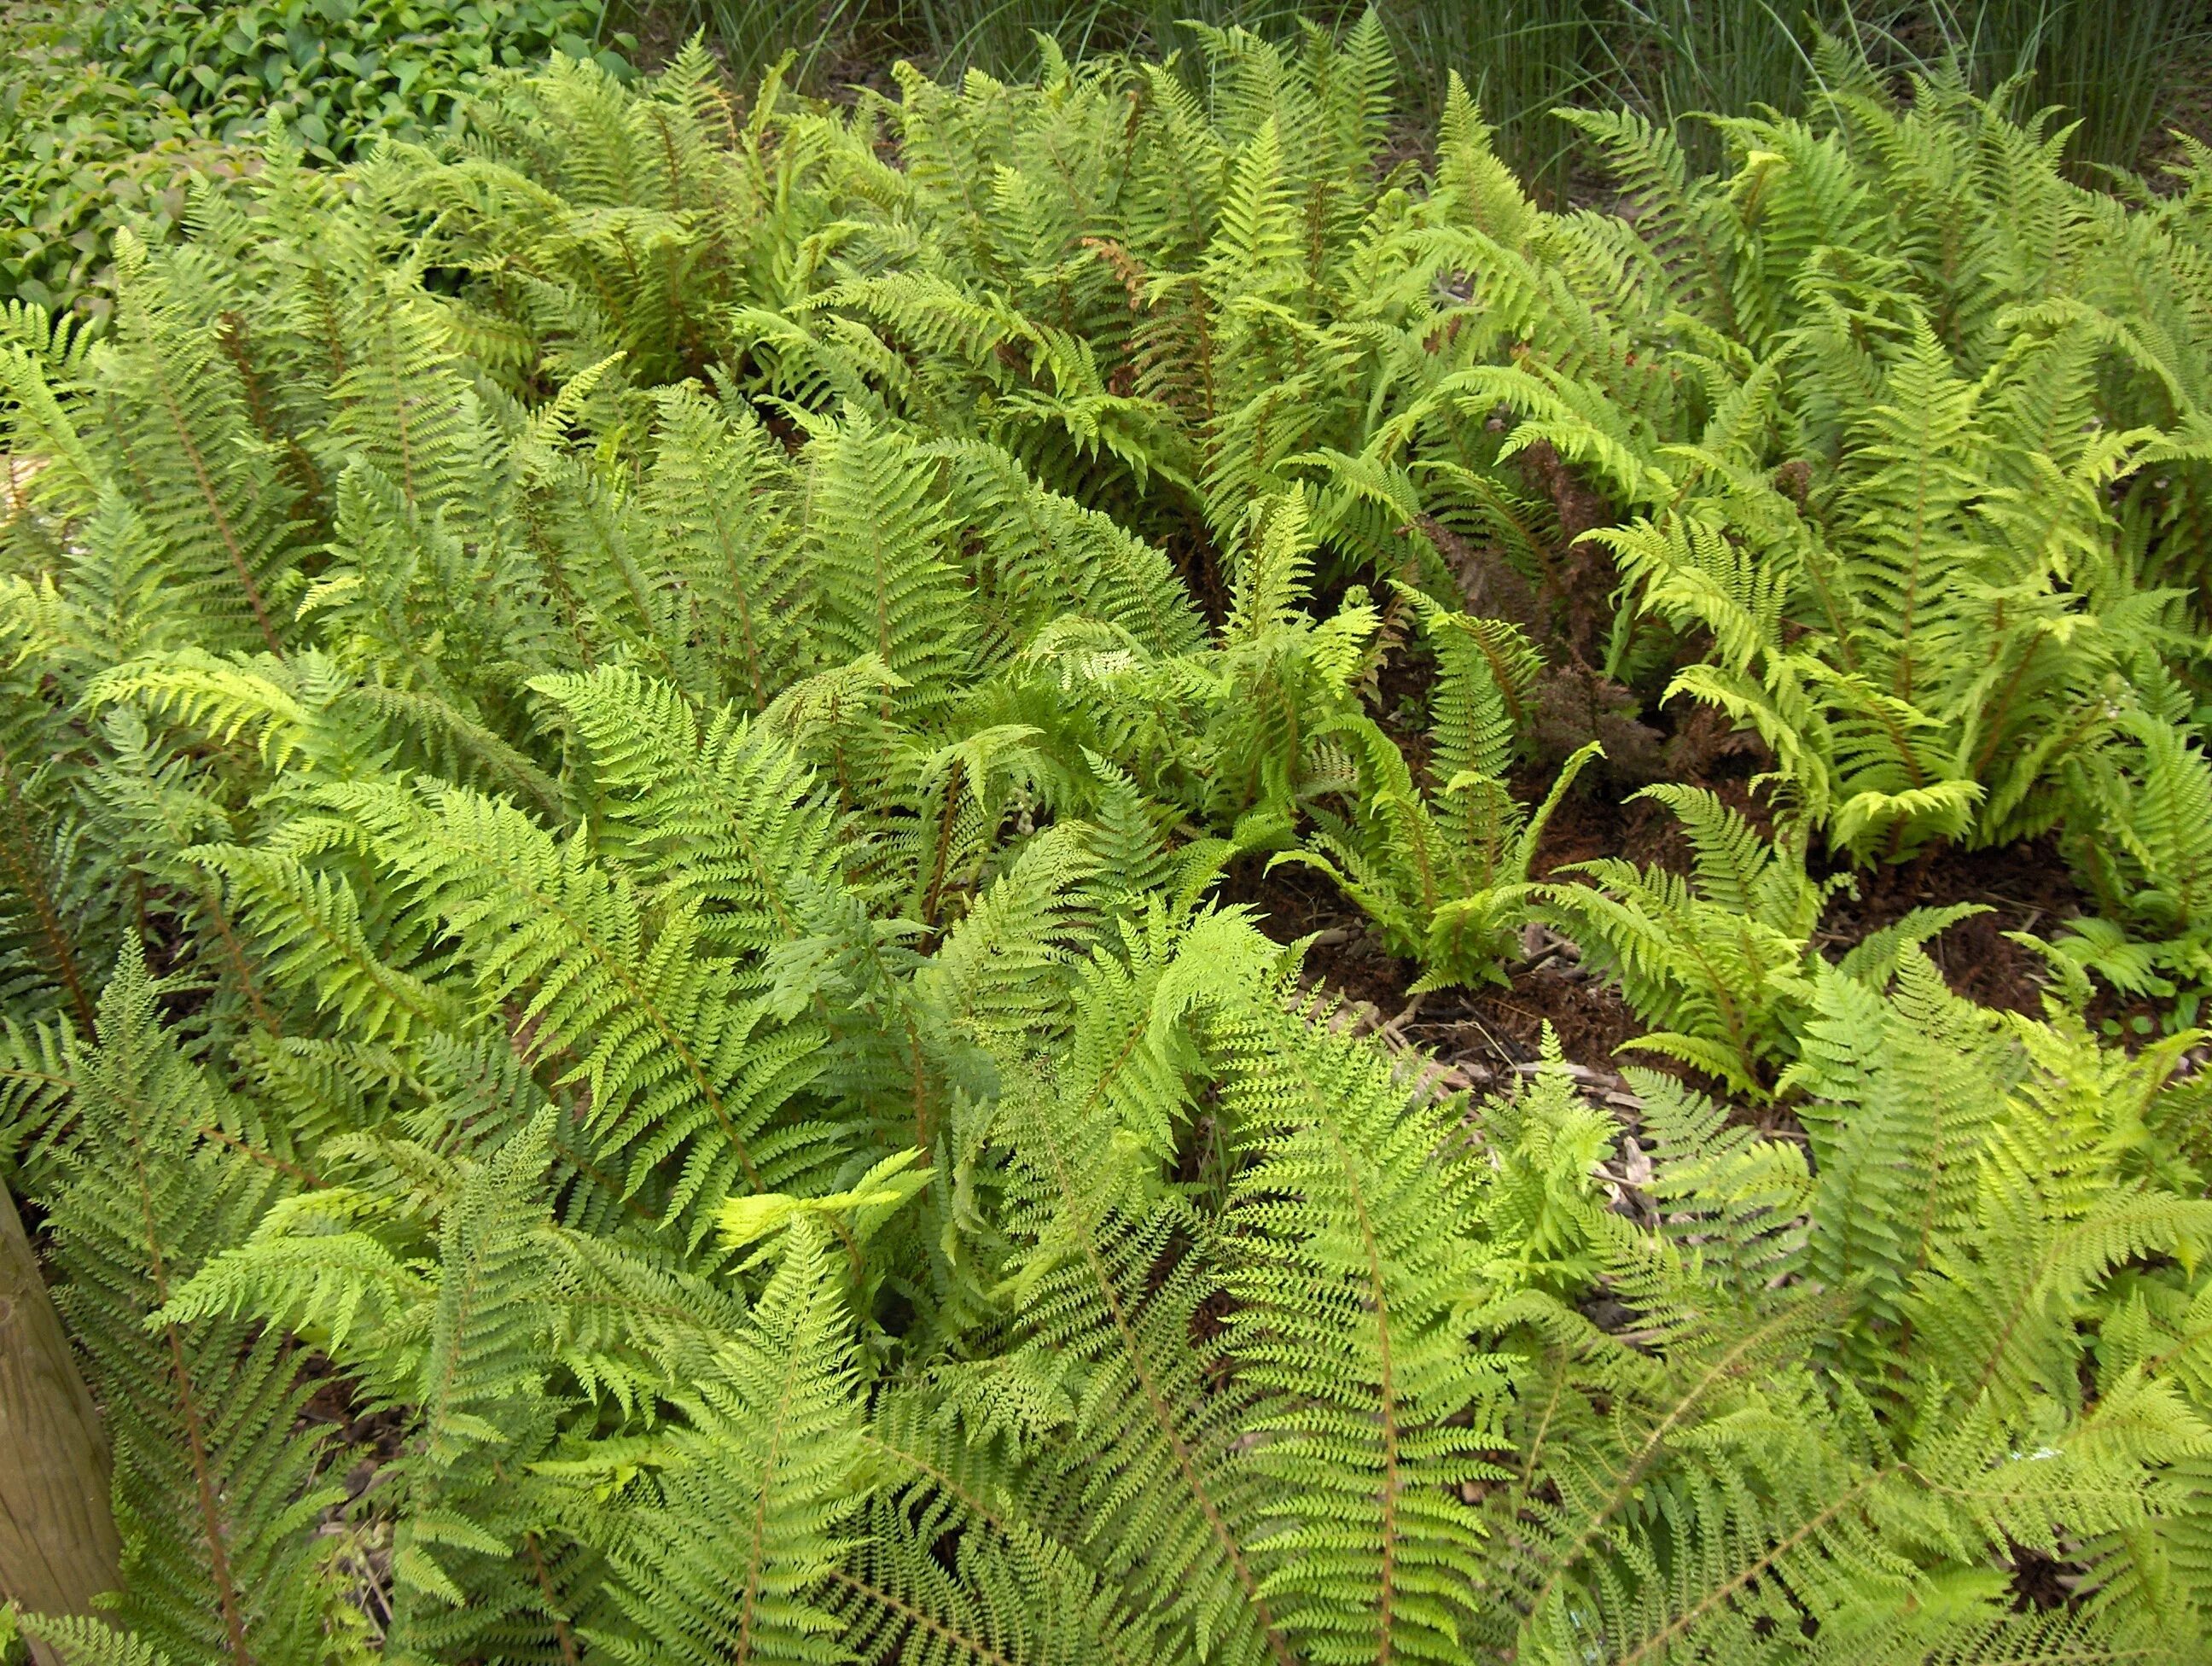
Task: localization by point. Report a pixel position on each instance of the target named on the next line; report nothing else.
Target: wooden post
(57, 1544)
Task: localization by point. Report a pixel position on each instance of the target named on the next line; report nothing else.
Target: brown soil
(1346, 955)
(1495, 1029)
(355, 1531)
(372, 1434)
(1505, 1026)
(2025, 888)
(1586, 827)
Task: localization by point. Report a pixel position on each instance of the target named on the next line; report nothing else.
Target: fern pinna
(619, 745)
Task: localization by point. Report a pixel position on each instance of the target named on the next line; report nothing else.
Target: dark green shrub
(107, 113)
(81, 149)
(337, 72)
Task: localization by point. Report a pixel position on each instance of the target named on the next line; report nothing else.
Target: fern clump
(1721, 956)
(619, 741)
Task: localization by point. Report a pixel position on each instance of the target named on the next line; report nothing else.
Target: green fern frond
(215, 1491)
(679, 1064)
(722, 1548)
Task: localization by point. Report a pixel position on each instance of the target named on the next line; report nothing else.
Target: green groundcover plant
(615, 747)
(336, 72)
(81, 149)
(107, 111)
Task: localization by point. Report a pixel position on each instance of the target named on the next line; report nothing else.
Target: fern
(216, 1494)
(668, 696)
(738, 1511)
(676, 1063)
(730, 818)
(1720, 958)
(1445, 872)
(736, 557)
